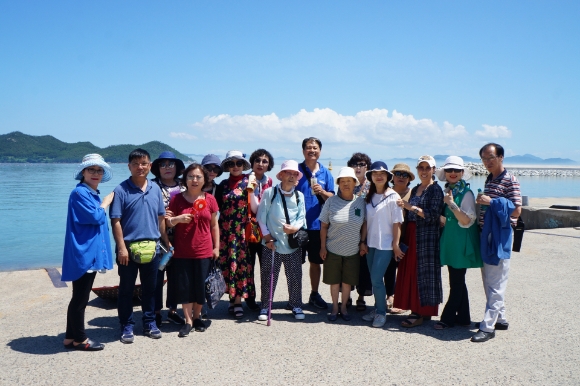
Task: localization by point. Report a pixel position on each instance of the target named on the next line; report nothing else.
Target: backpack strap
(274, 195)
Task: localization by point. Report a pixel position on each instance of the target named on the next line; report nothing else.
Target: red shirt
(193, 240)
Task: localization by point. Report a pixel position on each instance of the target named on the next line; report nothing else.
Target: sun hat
(212, 159)
(93, 160)
(235, 155)
(427, 158)
(403, 168)
(378, 166)
(180, 166)
(453, 162)
(289, 165)
(347, 172)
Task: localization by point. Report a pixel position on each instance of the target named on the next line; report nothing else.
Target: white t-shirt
(382, 213)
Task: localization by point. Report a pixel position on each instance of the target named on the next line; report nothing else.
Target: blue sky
(393, 79)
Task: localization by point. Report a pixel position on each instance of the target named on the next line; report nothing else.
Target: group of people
(373, 232)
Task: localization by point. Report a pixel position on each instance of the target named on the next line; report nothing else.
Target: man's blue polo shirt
(139, 211)
(313, 207)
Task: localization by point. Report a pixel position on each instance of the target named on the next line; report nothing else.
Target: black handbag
(215, 286)
(298, 239)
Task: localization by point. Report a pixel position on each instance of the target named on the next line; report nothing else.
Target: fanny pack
(143, 251)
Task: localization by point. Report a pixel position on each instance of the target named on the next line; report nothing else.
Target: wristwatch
(416, 210)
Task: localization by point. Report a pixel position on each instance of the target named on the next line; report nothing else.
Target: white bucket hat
(347, 172)
(93, 160)
(289, 165)
(453, 162)
(234, 155)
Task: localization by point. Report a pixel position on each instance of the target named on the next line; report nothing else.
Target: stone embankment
(479, 170)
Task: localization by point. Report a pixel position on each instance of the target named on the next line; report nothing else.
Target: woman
(262, 162)
(360, 162)
(196, 242)
(212, 164)
(275, 231)
(381, 235)
(341, 220)
(166, 169)
(418, 286)
(232, 197)
(402, 177)
(87, 246)
(459, 241)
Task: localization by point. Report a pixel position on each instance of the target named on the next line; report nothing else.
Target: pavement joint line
(553, 234)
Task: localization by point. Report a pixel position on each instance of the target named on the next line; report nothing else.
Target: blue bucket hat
(378, 166)
(94, 160)
(180, 166)
(212, 159)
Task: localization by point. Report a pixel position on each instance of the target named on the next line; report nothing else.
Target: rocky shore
(479, 170)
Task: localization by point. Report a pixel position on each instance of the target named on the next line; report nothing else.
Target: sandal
(441, 326)
(413, 320)
(231, 309)
(361, 305)
(396, 311)
(238, 311)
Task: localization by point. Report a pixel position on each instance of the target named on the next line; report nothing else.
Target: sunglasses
(230, 164)
(402, 174)
(167, 165)
(453, 170)
(261, 161)
(212, 169)
(359, 165)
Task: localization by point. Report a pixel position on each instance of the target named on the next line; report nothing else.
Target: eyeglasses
(167, 165)
(402, 174)
(453, 170)
(192, 178)
(230, 164)
(359, 165)
(486, 160)
(99, 172)
(212, 169)
(261, 161)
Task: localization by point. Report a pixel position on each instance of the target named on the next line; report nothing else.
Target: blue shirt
(87, 244)
(138, 210)
(313, 207)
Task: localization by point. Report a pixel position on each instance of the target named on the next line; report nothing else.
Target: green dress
(459, 247)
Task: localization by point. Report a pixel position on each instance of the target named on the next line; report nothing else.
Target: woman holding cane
(276, 250)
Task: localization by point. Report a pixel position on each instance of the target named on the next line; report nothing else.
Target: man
(137, 214)
(501, 197)
(315, 194)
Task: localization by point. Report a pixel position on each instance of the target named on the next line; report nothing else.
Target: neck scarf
(261, 185)
(457, 188)
(286, 192)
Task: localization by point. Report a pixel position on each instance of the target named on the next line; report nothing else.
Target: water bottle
(483, 208)
(251, 182)
(165, 258)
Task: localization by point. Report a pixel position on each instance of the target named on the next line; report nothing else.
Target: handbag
(215, 286)
(143, 251)
(298, 239)
(253, 232)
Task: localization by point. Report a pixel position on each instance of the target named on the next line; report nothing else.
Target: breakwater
(478, 169)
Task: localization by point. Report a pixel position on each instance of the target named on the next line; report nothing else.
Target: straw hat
(403, 168)
(453, 162)
(93, 160)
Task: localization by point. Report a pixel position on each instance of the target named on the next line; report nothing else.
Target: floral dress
(233, 259)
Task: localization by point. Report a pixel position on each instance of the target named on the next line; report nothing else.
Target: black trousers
(457, 308)
(75, 317)
(254, 249)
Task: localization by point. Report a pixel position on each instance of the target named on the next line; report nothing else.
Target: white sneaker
(379, 320)
(370, 316)
(263, 314)
(298, 314)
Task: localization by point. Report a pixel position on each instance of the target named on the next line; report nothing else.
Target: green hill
(23, 148)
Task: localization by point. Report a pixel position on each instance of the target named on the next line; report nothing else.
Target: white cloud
(182, 135)
(370, 127)
(492, 132)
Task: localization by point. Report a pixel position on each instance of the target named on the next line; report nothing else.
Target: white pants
(495, 278)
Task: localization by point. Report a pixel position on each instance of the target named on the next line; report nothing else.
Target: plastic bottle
(483, 207)
(165, 258)
(251, 182)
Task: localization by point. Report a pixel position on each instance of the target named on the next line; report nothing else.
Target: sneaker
(298, 314)
(370, 316)
(263, 315)
(379, 320)
(185, 330)
(127, 336)
(175, 318)
(152, 331)
(158, 320)
(317, 301)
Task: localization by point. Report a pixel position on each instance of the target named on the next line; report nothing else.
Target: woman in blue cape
(87, 246)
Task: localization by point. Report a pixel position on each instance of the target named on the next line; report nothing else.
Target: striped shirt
(505, 185)
(345, 219)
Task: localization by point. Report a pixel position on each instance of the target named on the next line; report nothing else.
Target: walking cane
(271, 285)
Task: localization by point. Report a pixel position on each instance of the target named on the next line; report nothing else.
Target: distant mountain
(22, 148)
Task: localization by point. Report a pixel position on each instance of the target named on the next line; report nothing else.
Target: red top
(193, 240)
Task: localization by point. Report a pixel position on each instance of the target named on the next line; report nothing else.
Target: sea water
(34, 199)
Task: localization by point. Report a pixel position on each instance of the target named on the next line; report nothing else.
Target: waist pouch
(143, 251)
